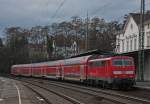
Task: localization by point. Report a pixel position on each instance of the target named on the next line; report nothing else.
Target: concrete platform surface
(12, 92)
(143, 85)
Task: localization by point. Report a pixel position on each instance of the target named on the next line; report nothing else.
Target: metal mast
(141, 43)
(87, 33)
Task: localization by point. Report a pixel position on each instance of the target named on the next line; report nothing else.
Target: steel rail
(106, 97)
(70, 99)
(108, 92)
(37, 92)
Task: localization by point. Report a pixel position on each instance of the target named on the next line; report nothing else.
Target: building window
(118, 48)
(148, 26)
(131, 44)
(122, 45)
(148, 41)
(127, 45)
(131, 26)
(118, 45)
(135, 43)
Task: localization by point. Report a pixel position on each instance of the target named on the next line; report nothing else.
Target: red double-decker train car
(116, 71)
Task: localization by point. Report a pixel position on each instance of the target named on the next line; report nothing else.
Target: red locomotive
(116, 71)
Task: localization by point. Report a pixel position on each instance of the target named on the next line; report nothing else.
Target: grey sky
(27, 13)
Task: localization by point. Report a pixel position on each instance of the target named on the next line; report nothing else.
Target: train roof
(122, 57)
(77, 60)
(48, 63)
(96, 51)
(109, 58)
(31, 64)
(99, 59)
(21, 65)
(70, 61)
(54, 63)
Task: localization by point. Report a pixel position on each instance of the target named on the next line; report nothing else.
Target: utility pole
(87, 32)
(141, 43)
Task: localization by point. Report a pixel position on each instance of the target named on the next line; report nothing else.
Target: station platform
(143, 85)
(13, 92)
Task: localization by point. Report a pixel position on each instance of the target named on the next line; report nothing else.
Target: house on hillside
(37, 52)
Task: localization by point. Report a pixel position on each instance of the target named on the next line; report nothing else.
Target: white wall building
(128, 40)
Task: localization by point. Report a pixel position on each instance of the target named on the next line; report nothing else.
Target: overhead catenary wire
(97, 10)
(133, 11)
(118, 18)
(102, 8)
(59, 7)
(107, 5)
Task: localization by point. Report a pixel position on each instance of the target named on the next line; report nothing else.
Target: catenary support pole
(141, 43)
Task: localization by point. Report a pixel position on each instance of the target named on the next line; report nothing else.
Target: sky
(28, 13)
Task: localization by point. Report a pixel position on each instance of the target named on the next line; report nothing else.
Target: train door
(30, 71)
(82, 73)
(19, 71)
(59, 73)
(108, 71)
(41, 71)
(44, 71)
(62, 72)
(106, 68)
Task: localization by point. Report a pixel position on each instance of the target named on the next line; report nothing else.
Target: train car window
(122, 62)
(128, 62)
(97, 63)
(117, 62)
(93, 64)
(103, 63)
(90, 64)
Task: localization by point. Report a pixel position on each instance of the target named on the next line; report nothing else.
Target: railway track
(103, 93)
(40, 96)
(110, 96)
(80, 95)
(46, 94)
(127, 95)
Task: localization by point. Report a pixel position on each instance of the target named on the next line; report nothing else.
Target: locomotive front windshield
(122, 62)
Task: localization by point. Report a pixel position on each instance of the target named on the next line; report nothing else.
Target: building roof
(136, 17)
(96, 51)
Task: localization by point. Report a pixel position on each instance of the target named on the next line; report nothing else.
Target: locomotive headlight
(117, 72)
(129, 72)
